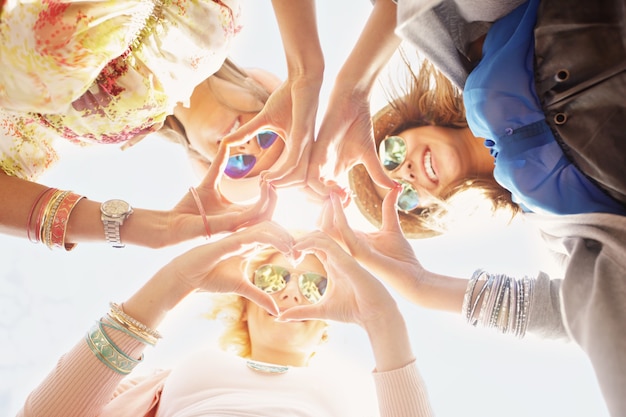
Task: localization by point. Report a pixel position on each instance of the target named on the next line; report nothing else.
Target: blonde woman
(276, 324)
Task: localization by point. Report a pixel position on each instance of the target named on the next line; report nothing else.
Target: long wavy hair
(428, 98)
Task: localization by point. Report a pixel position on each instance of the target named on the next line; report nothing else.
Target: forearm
(400, 389)
(390, 342)
(375, 46)
(22, 202)
(297, 23)
(82, 383)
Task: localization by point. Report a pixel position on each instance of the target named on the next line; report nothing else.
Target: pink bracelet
(59, 222)
(196, 197)
(45, 200)
(31, 212)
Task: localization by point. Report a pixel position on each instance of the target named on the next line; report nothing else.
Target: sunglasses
(238, 166)
(274, 278)
(392, 153)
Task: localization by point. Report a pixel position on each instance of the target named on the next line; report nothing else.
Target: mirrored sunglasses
(238, 166)
(392, 153)
(274, 278)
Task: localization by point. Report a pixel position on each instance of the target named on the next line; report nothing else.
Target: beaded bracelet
(108, 352)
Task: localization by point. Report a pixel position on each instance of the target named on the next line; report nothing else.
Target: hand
(386, 252)
(290, 111)
(219, 267)
(345, 139)
(353, 295)
(222, 215)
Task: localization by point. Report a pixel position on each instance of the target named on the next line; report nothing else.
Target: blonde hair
(431, 99)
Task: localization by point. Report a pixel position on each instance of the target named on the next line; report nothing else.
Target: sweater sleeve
(80, 385)
(402, 393)
(545, 319)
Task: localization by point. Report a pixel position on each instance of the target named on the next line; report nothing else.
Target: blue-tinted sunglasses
(238, 166)
(392, 153)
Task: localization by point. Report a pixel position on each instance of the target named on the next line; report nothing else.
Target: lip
(427, 160)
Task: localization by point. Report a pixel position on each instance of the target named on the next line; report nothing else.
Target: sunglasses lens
(408, 199)
(266, 138)
(271, 278)
(392, 152)
(312, 286)
(239, 165)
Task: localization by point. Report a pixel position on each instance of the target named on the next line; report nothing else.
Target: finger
(246, 131)
(391, 218)
(374, 168)
(214, 175)
(342, 226)
(260, 298)
(310, 312)
(259, 212)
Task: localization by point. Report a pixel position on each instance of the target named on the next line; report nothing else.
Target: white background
(49, 299)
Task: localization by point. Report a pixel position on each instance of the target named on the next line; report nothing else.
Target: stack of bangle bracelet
(52, 218)
(107, 351)
(502, 302)
(131, 326)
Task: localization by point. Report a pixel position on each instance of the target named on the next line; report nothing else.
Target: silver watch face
(115, 208)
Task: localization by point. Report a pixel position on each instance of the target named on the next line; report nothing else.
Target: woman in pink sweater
(276, 303)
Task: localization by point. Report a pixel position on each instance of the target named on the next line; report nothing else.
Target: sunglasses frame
(285, 279)
(236, 158)
(407, 187)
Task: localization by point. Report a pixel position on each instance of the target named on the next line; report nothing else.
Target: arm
(390, 256)
(346, 135)
(82, 385)
(23, 207)
(355, 296)
(291, 109)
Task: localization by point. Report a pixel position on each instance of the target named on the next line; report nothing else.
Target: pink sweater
(81, 386)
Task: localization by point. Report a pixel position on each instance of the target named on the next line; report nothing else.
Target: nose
(406, 171)
(250, 147)
(291, 291)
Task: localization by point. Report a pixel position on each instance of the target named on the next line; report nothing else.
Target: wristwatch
(114, 212)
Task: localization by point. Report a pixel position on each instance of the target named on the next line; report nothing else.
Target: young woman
(106, 73)
(586, 305)
(275, 325)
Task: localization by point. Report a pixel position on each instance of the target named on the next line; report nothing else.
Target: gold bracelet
(117, 313)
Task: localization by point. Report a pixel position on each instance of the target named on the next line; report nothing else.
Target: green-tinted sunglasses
(274, 278)
(392, 153)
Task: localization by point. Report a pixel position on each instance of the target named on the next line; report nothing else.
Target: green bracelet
(108, 352)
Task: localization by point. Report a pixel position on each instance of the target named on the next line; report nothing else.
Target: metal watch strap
(112, 233)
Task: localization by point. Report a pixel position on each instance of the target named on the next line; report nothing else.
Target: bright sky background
(49, 299)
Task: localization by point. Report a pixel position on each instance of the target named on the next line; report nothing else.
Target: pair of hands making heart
(353, 295)
(314, 164)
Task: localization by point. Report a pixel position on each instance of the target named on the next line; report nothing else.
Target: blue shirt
(502, 107)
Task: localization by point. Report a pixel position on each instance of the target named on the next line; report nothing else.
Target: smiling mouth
(428, 167)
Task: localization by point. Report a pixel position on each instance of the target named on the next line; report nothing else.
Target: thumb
(261, 298)
(310, 312)
(374, 168)
(391, 219)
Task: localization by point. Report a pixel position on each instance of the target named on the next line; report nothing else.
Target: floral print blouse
(101, 71)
